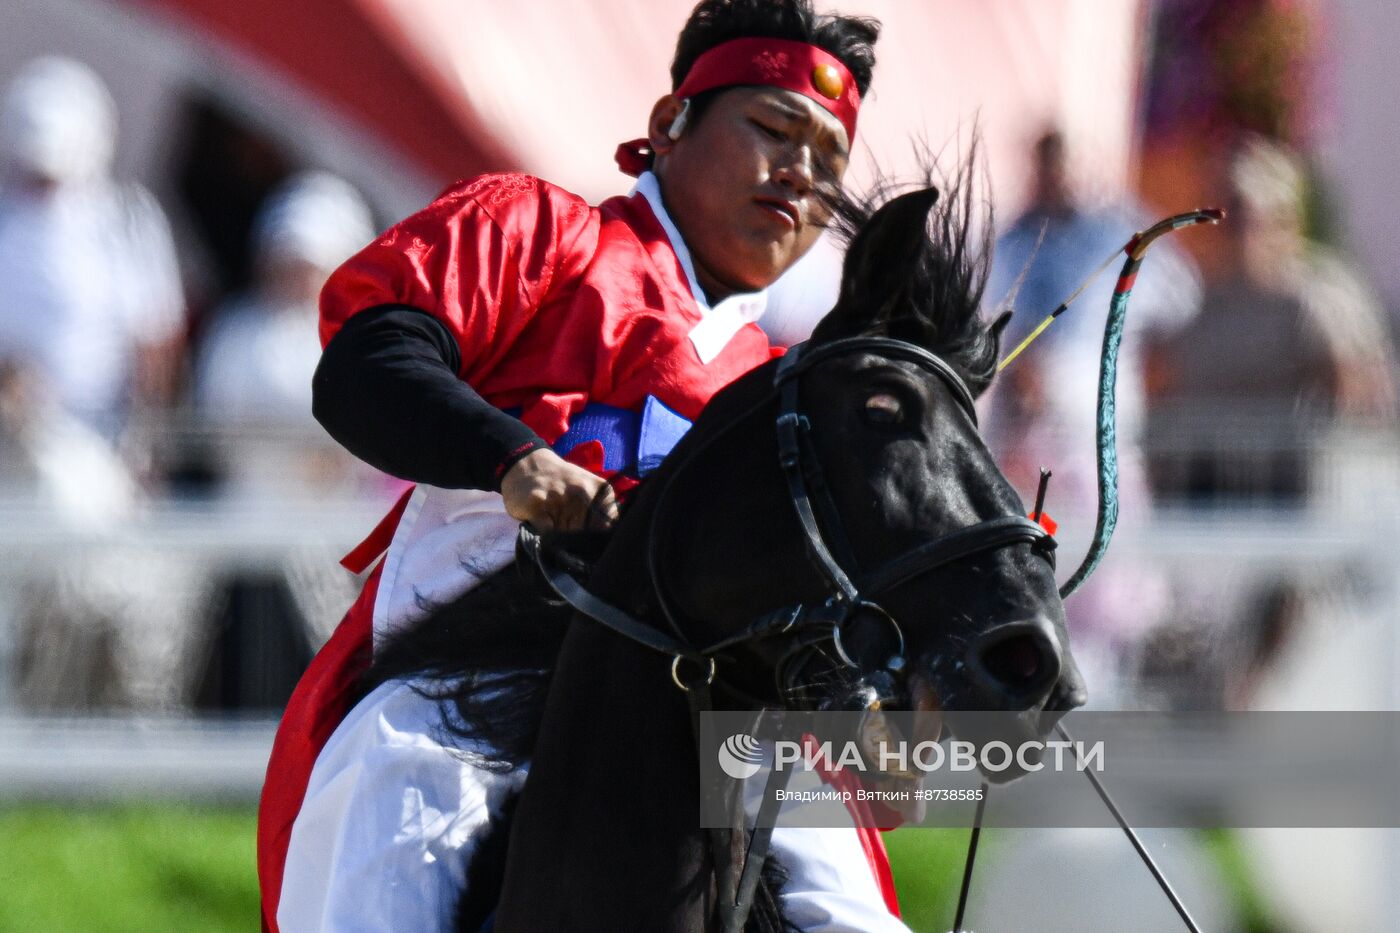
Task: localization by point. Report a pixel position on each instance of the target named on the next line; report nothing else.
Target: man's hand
(554, 495)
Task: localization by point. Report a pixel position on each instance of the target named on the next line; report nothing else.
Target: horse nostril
(1017, 659)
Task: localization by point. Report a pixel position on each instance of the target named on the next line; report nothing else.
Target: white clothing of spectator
(92, 295)
(253, 374)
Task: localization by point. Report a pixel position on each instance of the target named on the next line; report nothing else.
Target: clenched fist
(554, 495)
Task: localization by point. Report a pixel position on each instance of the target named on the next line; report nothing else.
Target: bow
(1107, 415)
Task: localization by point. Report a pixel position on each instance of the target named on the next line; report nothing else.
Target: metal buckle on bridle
(852, 611)
(676, 673)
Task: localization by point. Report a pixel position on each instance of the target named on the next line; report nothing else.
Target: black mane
(917, 267)
(487, 658)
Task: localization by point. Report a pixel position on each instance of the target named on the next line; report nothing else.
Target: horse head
(914, 579)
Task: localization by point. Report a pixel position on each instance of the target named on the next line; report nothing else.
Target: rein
(809, 628)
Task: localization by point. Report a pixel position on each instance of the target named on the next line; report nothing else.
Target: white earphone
(678, 124)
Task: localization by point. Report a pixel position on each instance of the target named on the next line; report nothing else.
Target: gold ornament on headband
(827, 81)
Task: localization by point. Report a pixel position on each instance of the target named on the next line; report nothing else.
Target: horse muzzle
(1012, 684)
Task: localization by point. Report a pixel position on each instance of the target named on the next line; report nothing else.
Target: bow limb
(1107, 414)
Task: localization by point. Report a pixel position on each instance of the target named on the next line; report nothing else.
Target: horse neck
(610, 813)
(608, 818)
(606, 834)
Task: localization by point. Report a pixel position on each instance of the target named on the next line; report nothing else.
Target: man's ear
(663, 117)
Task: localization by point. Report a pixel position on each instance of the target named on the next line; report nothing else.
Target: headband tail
(633, 157)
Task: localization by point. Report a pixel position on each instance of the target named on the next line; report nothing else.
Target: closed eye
(884, 408)
(770, 131)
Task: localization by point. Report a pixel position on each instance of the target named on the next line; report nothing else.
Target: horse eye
(884, 408)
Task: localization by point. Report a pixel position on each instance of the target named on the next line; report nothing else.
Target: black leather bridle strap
(800, 358)
(819, 492)
(757, 852)
(790, 430)
(984, 536)
(574, 593)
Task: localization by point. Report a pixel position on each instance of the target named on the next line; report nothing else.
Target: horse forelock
(917, 264)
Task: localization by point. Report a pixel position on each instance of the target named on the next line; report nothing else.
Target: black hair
(714, 22)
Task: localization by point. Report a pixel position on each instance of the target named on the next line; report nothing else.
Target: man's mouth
(781, 210)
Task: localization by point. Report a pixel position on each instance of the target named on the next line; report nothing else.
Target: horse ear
(879, 265)
(999, 325)
(979, 383)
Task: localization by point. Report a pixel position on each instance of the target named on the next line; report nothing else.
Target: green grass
(149, 868)
(1224, 848)
(154, 868)
(928, 867)
(126, 869)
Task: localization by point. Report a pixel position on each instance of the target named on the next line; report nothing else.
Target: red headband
(783, 63)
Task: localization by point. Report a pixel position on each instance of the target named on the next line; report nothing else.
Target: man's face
(742, 181)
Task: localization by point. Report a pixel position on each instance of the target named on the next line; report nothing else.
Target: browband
(802, 357)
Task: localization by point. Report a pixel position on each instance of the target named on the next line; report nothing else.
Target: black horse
(604, 837)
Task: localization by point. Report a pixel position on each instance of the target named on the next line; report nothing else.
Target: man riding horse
(507, 348)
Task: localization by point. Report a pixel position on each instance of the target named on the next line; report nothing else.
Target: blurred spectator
(1290, 338)
(92, 297)
(253, 390)
(51, 459)
(91, 319)
(1040, 259)
(1043, 405)
(99, 626)
(253, 377)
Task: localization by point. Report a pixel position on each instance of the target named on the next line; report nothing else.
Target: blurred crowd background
(178, 177)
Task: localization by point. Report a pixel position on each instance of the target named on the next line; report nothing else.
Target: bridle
(852, 598)
(809, 630)
(809, 626)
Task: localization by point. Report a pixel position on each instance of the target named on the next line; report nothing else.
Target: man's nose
(795, 170)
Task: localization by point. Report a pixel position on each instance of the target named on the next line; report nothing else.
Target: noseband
(810, 630)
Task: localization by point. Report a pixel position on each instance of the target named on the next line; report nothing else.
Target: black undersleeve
(387, 390)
